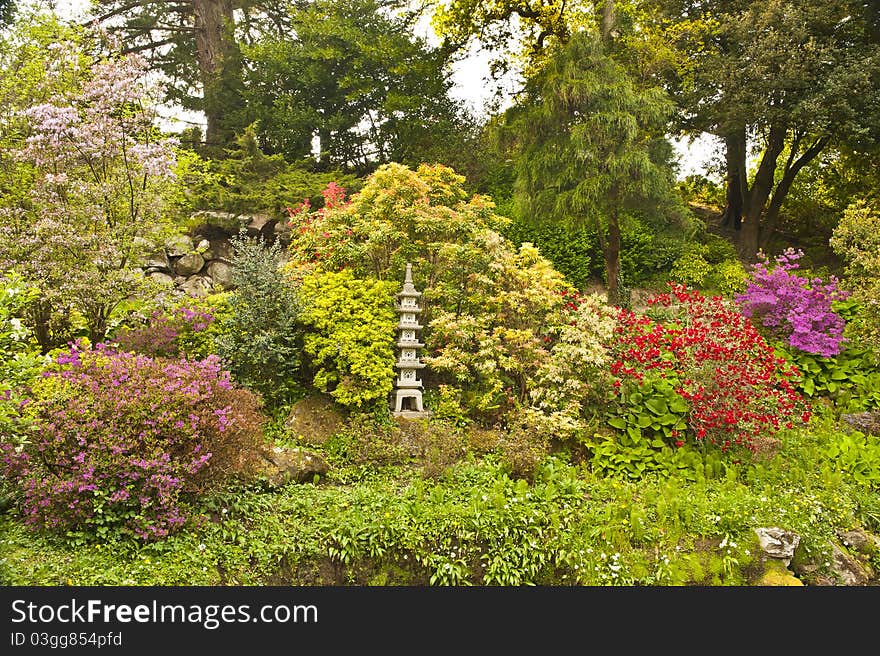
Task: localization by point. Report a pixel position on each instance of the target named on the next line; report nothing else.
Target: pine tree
(589, 146)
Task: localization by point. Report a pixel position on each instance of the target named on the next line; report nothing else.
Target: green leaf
(657, 406)
(617, 422)
(668, 420)
(809, 387)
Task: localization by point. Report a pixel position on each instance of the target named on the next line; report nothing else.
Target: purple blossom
(117, 440)
(792, 307)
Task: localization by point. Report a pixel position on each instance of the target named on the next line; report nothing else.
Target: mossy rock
(283, 466)
(777, 574)
(314, 420)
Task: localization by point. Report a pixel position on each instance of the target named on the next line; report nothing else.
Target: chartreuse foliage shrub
(349, 335)
(572, 380)
(119, 439)
(260, 340)
(494, 351)
(490, 309)
(857, 240)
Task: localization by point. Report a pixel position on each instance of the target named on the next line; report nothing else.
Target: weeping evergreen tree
(588, 146)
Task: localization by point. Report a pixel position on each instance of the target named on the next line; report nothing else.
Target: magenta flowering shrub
(793, 308)
(187, 330)
(120, 438)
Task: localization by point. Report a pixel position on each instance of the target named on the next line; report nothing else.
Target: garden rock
(843, 568)
(197, 286)
(866, 422)
(227, 221)
(221, 250)
(777, 574)
(314, 419)
(257, 221)
(778, 543)
(160, 277)
(860, 540)
(221, 273)
(848, 570)
(203, 248)
(158, 260)
(283, 466)
(189, 264)
(179, 245)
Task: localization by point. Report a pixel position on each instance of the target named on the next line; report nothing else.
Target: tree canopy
(589, 146)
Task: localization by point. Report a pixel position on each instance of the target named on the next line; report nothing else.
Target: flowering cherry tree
(101, 173)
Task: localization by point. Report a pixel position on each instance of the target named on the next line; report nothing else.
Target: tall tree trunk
(792, 168)
(737, 182)
(606, 19)
(762, 187)
(610, 245)
(219, 61)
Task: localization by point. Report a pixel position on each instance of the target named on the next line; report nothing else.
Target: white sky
(472, 86)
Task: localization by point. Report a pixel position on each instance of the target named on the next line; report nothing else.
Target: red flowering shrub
(120, 438)
(737, 392)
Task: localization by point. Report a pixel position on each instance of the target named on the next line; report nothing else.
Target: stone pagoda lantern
(408, 393)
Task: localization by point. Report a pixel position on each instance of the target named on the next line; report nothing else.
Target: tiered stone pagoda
(408, 393)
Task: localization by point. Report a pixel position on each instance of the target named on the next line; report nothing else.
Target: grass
(473, 523)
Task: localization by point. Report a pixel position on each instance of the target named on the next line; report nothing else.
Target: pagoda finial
(408, 277)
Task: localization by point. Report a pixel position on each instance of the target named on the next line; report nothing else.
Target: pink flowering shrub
(119, 440)
(188, 329)
(792, 307)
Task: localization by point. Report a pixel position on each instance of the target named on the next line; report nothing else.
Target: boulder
(282, 466)
(197, 286)
(221, 249)
(226, 221)
(189, 264)
(203, 248)
(257, 221)
(860, 541)
(158, 261)
(848, 570)
(778, 543)
(221, 273)
(161, 277)
(178, 245)
(314, 420)
(777, 574)
(842, 568)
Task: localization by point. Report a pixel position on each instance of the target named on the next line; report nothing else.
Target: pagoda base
(414, 396)
(412, 414)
